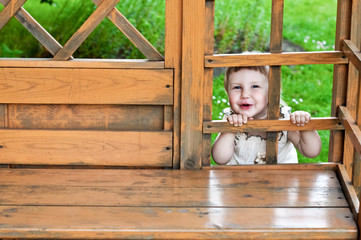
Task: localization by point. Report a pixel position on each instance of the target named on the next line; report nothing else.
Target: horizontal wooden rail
(80, 63)
(326, 123)
(86, 147)
(351, 128)
(86, 86)
(353, 53)
(275, 59)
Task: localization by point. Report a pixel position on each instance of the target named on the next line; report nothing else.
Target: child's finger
(239, 120)
(230, 119)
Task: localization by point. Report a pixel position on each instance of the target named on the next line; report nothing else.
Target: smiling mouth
(246, 106)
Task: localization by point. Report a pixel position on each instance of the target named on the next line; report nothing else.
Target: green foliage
(47, 1)
(242, 25)
(63, 17)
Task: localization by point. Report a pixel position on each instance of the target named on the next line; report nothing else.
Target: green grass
(308, 87)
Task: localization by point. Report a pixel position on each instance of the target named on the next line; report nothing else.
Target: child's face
(248, 93)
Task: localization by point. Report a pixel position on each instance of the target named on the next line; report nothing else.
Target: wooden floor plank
(172, 204)
(165, 179)
(177, 197)
(176, 223)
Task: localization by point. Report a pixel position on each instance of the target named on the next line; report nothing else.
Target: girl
(247, 89)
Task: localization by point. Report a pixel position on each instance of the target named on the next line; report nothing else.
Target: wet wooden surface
(172, 204)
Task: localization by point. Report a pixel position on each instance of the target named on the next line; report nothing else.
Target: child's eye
(237, 87)
(255, 86)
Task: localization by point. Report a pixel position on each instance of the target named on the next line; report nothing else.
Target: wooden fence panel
(66, 147)
(86, 86)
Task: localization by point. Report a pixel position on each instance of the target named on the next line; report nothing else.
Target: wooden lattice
(105, 9)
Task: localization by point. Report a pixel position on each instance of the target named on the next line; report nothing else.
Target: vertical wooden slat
(208, 80)
(86, 29)
(340, 73)
(340, 146)
(274, 91)
(192, 84)
(168, 117)
(10, 9)
(173, 59)
(3, 115)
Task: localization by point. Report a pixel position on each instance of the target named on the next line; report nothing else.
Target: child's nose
(245, 93)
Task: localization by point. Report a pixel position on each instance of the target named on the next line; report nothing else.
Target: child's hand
(300, 118)
(237, 119)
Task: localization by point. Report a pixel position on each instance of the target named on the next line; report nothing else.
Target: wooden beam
(327, 123)
(10, 9)
(339, 85)
(80, 63)
(353, 53)
(192, 84)
(351, 128)
(173, 59)
(86, 86)
(208, 81)
(349, 190)
(274, 79)
(275, 59)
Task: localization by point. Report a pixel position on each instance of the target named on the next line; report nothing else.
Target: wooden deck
(246, 203)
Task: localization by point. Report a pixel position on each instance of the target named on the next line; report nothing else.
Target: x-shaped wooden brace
(105, 8)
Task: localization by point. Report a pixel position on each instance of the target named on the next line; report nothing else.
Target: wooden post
(208, 80)
(173, 59)
(340, 74)
(192, 84)
(274, 89)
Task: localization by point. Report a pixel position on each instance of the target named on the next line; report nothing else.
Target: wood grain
(231, 177)
(66, 147)
(351, 128)
(96, 117)
(327, 123)
(192, 84)
(145, 203)
(275, 59)
(274, 79)
(176, 223)
(10, 9)
(180, 197)
(80, 63)
(353, 53)
(208, 81)
(86, 86)
(173, 59)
